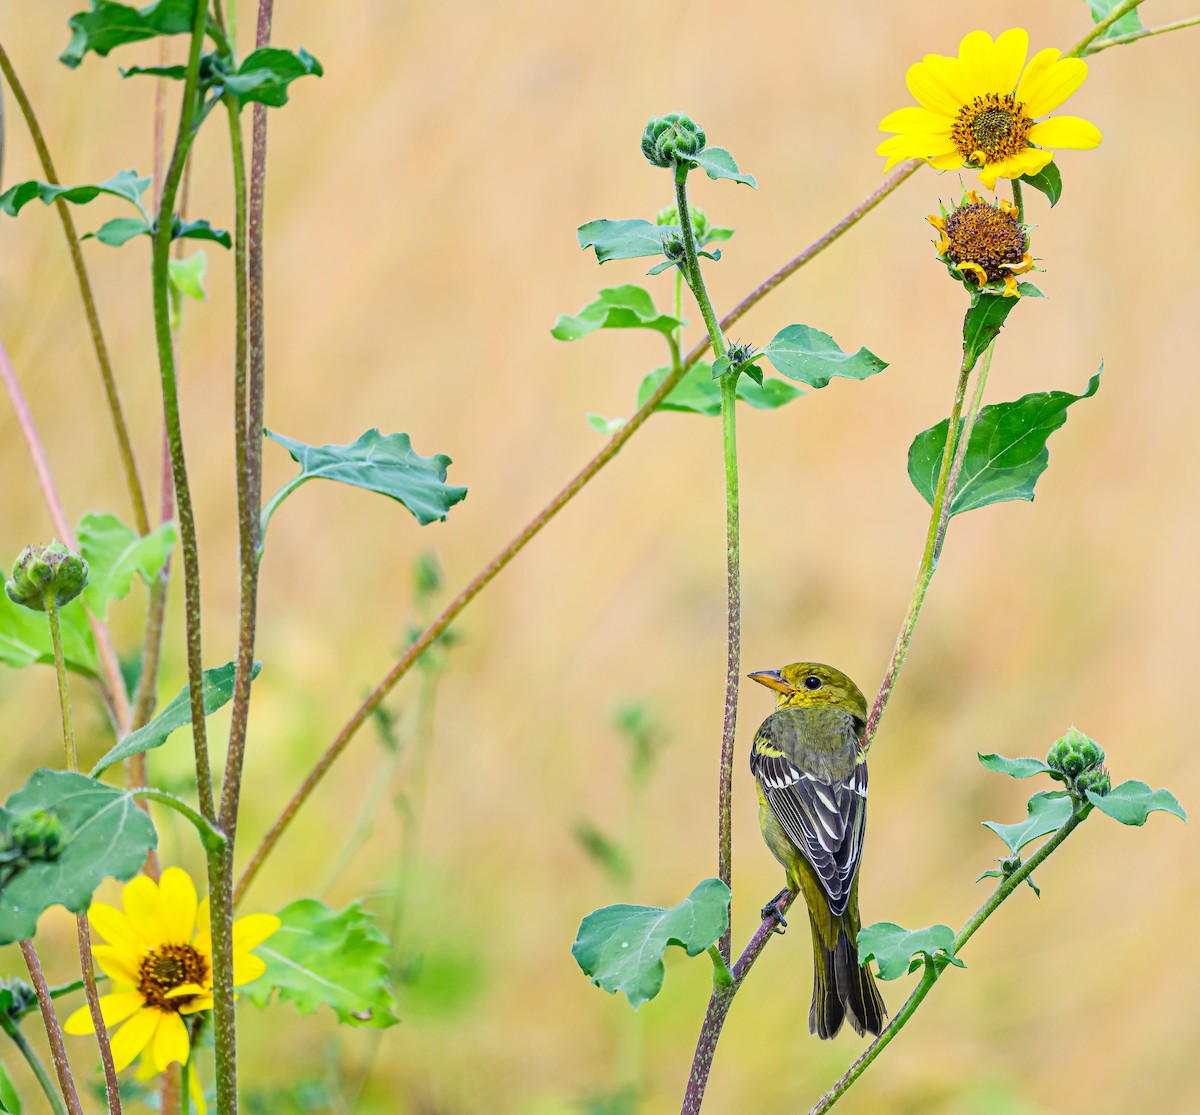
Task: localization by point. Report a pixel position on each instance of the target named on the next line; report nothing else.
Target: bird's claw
(772, 910)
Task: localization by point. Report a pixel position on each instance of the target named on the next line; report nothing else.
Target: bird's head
(805, 684)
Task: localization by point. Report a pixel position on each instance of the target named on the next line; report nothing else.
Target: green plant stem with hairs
(1133, 36)
(733, 579)
(13, 1030)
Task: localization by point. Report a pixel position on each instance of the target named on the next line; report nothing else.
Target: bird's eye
(812, 682)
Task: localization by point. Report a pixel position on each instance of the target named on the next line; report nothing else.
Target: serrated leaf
(25, 637)
(620, 948)
(627, 239)
(1132, 802)
(697, 393)
(1048, 181)
(1014, 768)
(1046, 812)
(1126, 25)
(377, 463)
(319, 956)
(108, 25)
(716, 162)
(265, 74)
(104, 835)
(116, 554)
(1007, 452)
(118, 231)
(892, 946)
(620, 307)
(813, 357)
(126, 184)
(218, 691)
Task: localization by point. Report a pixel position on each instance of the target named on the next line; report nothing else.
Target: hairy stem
(488, 573)
(60, 670)
(1081, 47)
(34, 1061)
(1133, 36)
(124, 445)
(58, 1051)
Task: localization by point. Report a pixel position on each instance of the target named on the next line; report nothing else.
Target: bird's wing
(825, 819)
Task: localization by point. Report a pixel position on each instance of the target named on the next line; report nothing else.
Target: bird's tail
(842, 990)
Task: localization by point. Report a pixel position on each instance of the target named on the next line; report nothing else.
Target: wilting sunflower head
(982, 109)
(984, 246)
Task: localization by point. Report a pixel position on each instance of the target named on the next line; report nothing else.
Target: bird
(811, 775)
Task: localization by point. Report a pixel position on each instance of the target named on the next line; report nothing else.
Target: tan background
(422, 206)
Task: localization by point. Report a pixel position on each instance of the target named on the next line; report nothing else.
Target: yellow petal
(203, 941)
(115, 927)
(177, 904)
(247, 967)
(1030, 161)
(117, 963)
(1049, 80)
(937, 84)
(915, 146)
(252, 930)
(201, 1002)
(140, 897)
(171, 1044)
(81, 1021)
(1008, 58)
(133, 1037)
(145, 1068)
(196, 1089)
(1011, 290)
(952, 160)
(914, 119)
(981, 275)
(1071, 132)
(118, 1006)
(184, 989)
(975, 61)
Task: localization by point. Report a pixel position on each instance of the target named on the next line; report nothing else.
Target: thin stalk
(960, 450)
(60, 670)
(534, 527)
(211, 837)
(1018, 198)
(35, 1063)
(1081, 47)
(58, 1051)
(124, 445)
(1145, 33)
(934, 969)
(733, 584)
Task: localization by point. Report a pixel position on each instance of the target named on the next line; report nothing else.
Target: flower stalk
(13, 1030)
(54, 1034)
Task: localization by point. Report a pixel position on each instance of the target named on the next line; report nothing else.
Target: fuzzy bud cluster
(1079, 762)
(43, 573)
(672, 139)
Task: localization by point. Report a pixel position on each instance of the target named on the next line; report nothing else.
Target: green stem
(124, 445)
(58, 1051)
(733, 582)
(34, 1062)
(489, 572)
(1081, 47)
(1018, 197)
(1145, 33)
(60, 669)
(211, 837)
(933, 969)
(185, 1101)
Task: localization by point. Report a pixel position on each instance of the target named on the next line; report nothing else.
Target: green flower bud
(672, 247)
(700, 222)
(672, 139)
(36, 836)
(1074, 754)
(427, 576)
(46, 571)
(1095, 780)
(740, 353)
(16, 998)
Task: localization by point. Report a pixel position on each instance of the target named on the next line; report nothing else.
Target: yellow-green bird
(812, 808)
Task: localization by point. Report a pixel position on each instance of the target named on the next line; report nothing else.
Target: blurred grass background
(422, 203)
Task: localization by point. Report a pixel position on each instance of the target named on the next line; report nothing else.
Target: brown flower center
(991, 129)
(986, 236)
(166, 968)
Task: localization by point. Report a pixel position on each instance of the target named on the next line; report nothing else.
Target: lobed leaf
(116, 554)
(1048, 181)
(265, 74)
(218, 691)
(635, 237)
(698, 393)
(1007, 452)
(123, 229)
(25, 637)
(621, 307)
(125, 184)
(1046, 812)
(893, 947)
(1129, 23)
(104, 835)
(620, 948)
(321, 956)
(385, 464)
(813, 357)
(1132, 802)
(1014, 768)
(716, 162)
(108, 25)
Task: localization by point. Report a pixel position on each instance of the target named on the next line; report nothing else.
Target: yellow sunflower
(986, 245)
(159, 956)
(980, 110)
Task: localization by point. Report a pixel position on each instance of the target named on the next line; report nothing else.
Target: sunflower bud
(700, 222)
(1079, 762)
(47, 572)
(1097, 781)
(35, 836)
(984, 246)
(672, 247)
(16, 999)
(672, 139)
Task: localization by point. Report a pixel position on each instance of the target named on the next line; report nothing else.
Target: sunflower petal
(177, 904)
(1008, 58)
(910, 146)
(141, 901)
(916, 119)
(952, 160)
(185, 989)
(252, 930)
(937, 84)
(975, 60)
(118, 1006)
(203, 941)
(80, 1022)
(133, 1037)
(1070, 132)
(247, 967)
(171, 1043)
(1049, 80)
(196, 1092)
(1030, 161)
(115, 927)
(119, 964)
(201, 1002)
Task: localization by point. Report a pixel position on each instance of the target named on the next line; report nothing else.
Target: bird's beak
(772, 679)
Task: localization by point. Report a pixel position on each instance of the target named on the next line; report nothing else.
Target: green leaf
(116, 554)
(10, 1101)
(620, 948)
(108, 25)
(319, 956)
(892, 947)
(698, 393)
(200, 230)
(1000, 873)
(218, 691)
(173, 73)
(186, 276)
(1007, 452)
(628, 239)
(126, 184)
(716, 162)
(606, 426)
(810, 356)
(265, 74)
(1014, 768)
(602, 850)
(1047, 811)
(620, 307)
(1132, 802)
(1048, 181)
(104, 835)
(387, 465)
(982, 324)
(1126, 25)
(118, 231)
(25, 637)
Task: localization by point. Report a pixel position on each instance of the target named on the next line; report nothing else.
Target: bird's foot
(772, 910)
